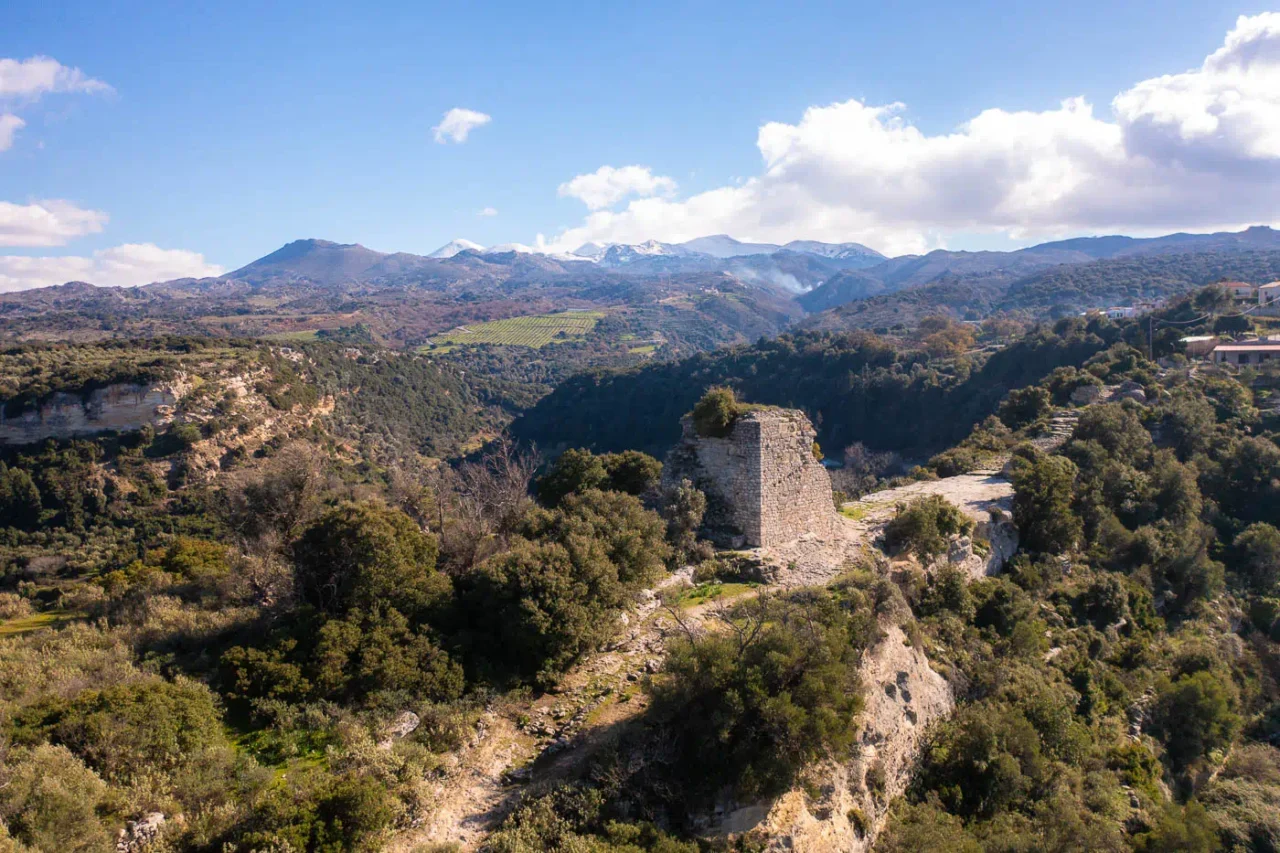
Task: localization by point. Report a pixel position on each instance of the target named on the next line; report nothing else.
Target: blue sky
(233, 128)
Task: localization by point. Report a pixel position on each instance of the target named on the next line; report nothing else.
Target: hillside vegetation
(855, 387)
(276, 621)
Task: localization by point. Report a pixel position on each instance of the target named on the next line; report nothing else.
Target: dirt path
(976, 494)
(549, 737)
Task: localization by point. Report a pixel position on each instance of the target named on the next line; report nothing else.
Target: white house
(1240, 291)
(1247, 352)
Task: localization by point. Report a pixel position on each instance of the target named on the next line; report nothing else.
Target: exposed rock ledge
(123, 407)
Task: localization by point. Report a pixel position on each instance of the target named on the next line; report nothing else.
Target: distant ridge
(809, 267)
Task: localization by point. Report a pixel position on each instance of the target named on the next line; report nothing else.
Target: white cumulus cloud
(1198, 149)
(46, 223)
(457, 124)
(126, 265)
(39, 75)
(607, 186)
(487, 211)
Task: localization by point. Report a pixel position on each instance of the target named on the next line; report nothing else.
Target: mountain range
(822, 275)
(733, 289)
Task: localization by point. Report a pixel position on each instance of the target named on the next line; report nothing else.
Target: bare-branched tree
(482, 502)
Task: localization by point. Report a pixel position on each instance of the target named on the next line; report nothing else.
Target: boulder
(405, 723)
(139, 833)
(1086, 394)
(959, 549)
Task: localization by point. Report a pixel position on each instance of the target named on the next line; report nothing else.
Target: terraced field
(536, 331)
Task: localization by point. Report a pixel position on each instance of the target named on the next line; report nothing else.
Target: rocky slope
(518, 746)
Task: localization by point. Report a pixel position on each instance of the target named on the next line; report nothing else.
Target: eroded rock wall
(121, 407)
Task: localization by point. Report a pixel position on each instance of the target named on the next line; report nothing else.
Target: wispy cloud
(487, 211)
(458, 123)
(10, 124)
(25, 81)
(40, 75)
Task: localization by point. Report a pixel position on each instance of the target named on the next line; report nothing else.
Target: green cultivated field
(536, 331)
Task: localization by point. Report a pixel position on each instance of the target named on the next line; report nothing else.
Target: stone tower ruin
(763, 483)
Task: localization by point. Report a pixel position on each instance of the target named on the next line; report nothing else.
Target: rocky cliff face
(763, 483)
(122, 407)
(904, 695)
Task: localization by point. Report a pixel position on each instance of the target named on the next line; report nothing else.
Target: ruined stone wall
(763, 484)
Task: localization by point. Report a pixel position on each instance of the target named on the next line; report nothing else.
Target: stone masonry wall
(763, 484)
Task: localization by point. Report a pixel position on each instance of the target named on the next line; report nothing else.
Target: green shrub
(1025, 406)
(555, 594)
(715, 413)
(1258, 550)
(321, 813)
(1195, 715)
(949, 592)
(924, 527)
(51, 801)
(632, 472)
(776, 690)
(577, 471)
(574, 471)
(1042, 509)
(573, 819)
(368, 556)
(128, 730)
(1187, 829)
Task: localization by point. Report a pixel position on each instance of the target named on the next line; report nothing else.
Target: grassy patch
(858, 510)
(644, 350)
(702, 593)
(26, 624)
(534, 332)
(282, 749)
(301, 335)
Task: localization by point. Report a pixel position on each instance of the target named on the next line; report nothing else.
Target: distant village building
(1240, 291)
(1247, 352)
(1199, 346)
(1122, 312)
(1269, 294)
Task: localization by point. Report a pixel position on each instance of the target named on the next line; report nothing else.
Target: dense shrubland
(1120, 680)
(272, 620)
(234, 647)
(854, 386)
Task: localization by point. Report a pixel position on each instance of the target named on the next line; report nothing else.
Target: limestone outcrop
(122, 407)
(764, 484)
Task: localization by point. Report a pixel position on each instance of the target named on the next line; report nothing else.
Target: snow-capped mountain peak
(453, 247)
(503, 248)
(592, 251)
(837, 251)
(621, 254)
(724, 246)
